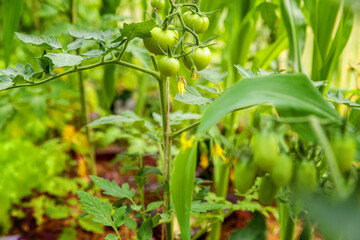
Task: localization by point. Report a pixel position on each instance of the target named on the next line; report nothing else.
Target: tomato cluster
(277, 170)
(165, 40)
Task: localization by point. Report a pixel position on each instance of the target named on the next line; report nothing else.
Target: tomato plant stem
(287, 224)
(165, 115)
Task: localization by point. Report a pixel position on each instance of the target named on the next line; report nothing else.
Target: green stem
(82, 68)
(165, 116)
(178, 133)
(141, 187)
(117, 232)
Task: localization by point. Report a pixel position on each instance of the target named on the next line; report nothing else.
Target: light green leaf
(130, 223)
(136, 207)
(5, 82)
(101, 211)
(154, 205)
(93, 53)
(293, 95)
(182, 186)
(209, 89)
(111, 236)
(192, 97)
(112, 188)
(141, 30)
(198, 206)
(267, 10)
(64, 59)
(99, 35)
(75, 45)
(87, 224)
(177, 117)
(119, 215)
(51, 43)
(212, 75)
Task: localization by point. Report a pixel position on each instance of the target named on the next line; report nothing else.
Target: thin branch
(178, 133)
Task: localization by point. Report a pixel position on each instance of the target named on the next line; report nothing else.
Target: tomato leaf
(5, 82)
(141, 30)
(192, 97)
(64, 59)
(51, 43)
(99, 35)
(112, 188)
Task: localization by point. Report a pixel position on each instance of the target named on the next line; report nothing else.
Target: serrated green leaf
(141, 29)
(93, 53)
(99, 35)
(136, 207)
(111, 236)
(87, 224)
(75, 45)
(64, 59)
(198, 206)
(212, 75)
(244, 72)
(112, 188)
(130, 223)
(145, 230)
(101, 211)
(51, 43)
(339, 98)
(154, 205)
(24, 72)
(177, 117)
(192, 97)
(119, 215)
(5, 82)
(209, 89)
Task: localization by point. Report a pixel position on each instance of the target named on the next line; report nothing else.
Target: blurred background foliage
(40, 126)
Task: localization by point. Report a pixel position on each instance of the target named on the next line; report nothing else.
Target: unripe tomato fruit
(201, 58)
(168, 66)
(196, 22)
(244, 176)
(163, 38)
(344, 149)
(281, 174)
(158, 4)
(305, 177)
(267, 190)
(266, 150)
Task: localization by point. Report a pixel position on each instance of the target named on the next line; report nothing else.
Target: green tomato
(266, 150)
(281, 174)
(168, 66)
(158, 4)
(244, 176)
(163, 39)
(344, 149)
(267, 190)
(201, 58)
(196, 22)
(305, 177)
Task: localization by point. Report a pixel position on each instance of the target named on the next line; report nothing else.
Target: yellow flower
(204, 161)
(186, 143)
(218, 151)
(194, 75)
(181, 87)
(69, 133)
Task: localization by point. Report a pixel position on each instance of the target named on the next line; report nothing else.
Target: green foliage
(255, 230)
(113, 189)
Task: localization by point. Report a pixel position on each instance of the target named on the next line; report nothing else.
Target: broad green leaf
(255, 230)
(145, 230)
(5, 82)
(112, 188)
(182, 186)
(51, 43)
(295, 25)
(64, 59)
(101, 211)
(192, 97)
(339, 98)
(111, 236)
(244, 72)
(12, 10)
(154, 205)
(87, 224)
(141, 30)
(136, 207)
(45, 65)
(198, 206)
(209, 89)
(99, 35)
(292, 95)
(25, 72)
(75, 45)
